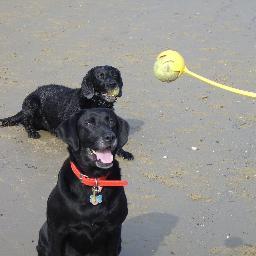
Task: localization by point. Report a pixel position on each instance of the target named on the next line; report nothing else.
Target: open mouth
(109, 98)
(104, 158)
(111, 95)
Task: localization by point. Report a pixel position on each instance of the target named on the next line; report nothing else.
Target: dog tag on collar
(94, 198)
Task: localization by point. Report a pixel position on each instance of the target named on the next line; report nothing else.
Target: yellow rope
(222, 86)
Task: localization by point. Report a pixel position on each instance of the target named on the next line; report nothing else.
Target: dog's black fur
(75, 227)
(49, 105)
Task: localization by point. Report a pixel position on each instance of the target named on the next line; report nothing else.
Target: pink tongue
(105, 156)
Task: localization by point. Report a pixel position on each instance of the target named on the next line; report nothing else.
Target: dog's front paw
(125, 155)
(4, 123)
(128, 156)
(34, 135)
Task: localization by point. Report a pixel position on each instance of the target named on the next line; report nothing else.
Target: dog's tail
(12, 120)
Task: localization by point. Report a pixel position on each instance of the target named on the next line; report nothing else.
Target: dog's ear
(87, 85)
(123, 129)
(67, 131)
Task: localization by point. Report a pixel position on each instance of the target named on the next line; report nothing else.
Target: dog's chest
(98, 218)
(89, 225)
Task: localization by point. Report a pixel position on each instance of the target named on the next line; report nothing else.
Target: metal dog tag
(94, 198)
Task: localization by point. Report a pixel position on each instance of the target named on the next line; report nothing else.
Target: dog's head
(93, 136)
(104, 82)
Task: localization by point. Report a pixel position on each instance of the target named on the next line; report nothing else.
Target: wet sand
(192, 184)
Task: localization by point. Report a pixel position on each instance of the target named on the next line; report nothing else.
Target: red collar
(97, 182)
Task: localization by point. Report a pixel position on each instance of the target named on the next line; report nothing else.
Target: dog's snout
(109, 137)
(113, 85)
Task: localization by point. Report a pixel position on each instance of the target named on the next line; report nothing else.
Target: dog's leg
(43, 244)
(56, 246)
(12, 120)
(114, 243)
(30, 107)
(125, 154)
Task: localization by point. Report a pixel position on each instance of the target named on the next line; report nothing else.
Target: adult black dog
(49, 105)
(83, 220)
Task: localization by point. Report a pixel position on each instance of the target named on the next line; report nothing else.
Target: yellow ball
(169, 66)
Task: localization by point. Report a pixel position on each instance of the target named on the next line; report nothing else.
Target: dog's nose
(109, 137)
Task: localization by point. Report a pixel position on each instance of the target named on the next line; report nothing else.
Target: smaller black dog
(85, 220)
(49, 105)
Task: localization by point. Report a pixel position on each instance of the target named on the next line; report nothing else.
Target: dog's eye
(113, 73)
(102, 75)
(90, 122)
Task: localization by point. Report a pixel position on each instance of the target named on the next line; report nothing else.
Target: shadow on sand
(142, 235)
(135, 125)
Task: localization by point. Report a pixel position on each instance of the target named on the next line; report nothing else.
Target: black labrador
(49, 105)
(75, 225)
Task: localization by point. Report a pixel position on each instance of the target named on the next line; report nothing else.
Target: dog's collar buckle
(81, 176)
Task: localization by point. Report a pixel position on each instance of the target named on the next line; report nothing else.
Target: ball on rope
(169, 66)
